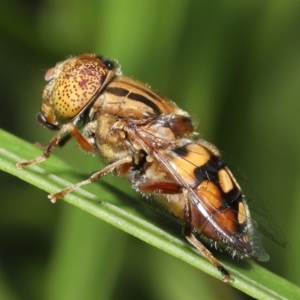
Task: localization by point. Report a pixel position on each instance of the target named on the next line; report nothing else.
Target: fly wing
(211, 200)
(217, 204)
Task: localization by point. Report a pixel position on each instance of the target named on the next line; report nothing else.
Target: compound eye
(43, 121)
(80, 78)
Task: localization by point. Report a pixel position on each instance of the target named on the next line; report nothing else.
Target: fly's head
(73, 86)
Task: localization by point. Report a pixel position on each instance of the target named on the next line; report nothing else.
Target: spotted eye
(72, 85)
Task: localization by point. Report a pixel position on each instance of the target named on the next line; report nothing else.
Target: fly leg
(55, 141)
(94, 177)
(188, 233)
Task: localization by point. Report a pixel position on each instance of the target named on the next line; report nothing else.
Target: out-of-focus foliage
(235, 65)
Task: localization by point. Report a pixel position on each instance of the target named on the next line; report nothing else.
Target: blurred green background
(234, 65)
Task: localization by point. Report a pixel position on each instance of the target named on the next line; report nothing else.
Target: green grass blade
(105, 203)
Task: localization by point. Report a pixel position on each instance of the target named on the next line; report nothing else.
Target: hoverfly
(151, 142)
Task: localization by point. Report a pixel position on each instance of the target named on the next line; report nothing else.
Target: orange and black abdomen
(215, 190)
(226, 212)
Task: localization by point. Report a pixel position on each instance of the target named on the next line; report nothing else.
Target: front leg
(68, 128)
